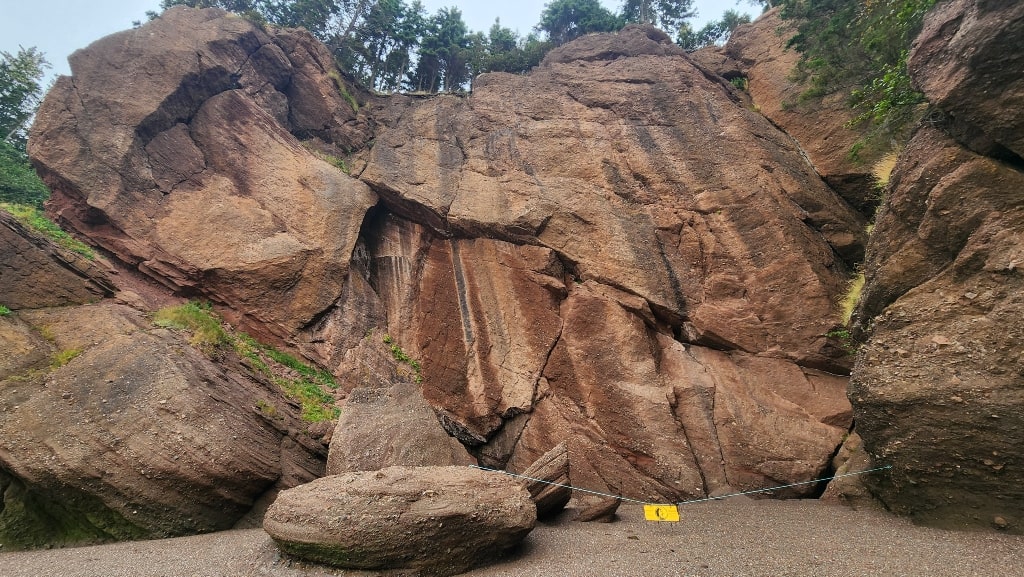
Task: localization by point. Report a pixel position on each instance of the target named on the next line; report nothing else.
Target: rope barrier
(720, 497)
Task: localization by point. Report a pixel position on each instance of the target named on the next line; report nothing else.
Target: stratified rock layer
(122, 430)
(938, 385)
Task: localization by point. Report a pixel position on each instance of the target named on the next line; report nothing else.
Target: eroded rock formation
(759, 55)
(938, 385)
(436, 521)
(613, 252)
(111, 428)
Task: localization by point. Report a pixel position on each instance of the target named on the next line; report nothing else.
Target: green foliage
(399, 355)
(64, 357)
(668, 15)
(209, 335)
(33, 218)
(198, 319)
(4, 311)
(20, 93)
(716, 32)
(849, 300)
(566, 20)
(19, 183)
(860, 49)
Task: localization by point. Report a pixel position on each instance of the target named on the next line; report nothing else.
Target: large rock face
(938, 384)
(111, 428)
(758, 52)
(967, 61)
(187, 169)
(612, 252)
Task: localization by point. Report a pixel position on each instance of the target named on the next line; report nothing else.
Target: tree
(716, 32)
(669, 15)
(443, 54)
(20, 94)
(860, 49)
(565, 20)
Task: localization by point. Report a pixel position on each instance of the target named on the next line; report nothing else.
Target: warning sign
(661, 512)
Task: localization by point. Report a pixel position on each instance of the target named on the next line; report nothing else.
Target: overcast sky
(59, 27)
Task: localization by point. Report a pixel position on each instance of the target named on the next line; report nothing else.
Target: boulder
(936, 388)
(112, 428)
(547, 480)
(594, 509)
(422, 520)
(967, 61)
(381, 428)
(172, 151)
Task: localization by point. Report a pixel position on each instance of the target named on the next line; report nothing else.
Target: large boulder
(424, 520)
(387, 427)
(111, 428)
(937, 386)
(172, 151)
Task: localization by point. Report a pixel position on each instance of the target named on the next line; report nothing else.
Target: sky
(59, 27)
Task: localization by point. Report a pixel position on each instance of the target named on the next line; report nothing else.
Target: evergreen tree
(565, 20)
(20, 94)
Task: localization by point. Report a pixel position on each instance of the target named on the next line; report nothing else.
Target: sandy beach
(731, 538)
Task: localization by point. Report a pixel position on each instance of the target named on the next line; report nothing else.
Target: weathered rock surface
(385, 427)
(548, 481)
(423, 520)
(36, 273)
(173, 152)
(136, 436)
(613, 251)
(967, 60)
(758, 52)
(937, 386)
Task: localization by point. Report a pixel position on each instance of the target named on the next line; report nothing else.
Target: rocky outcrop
(434, 521)
(386, 427)
(172, 151)
(35, 272)
(612, 252)
(758, 53)
(111, 428)
(937, 385)
(547, 480)
(967, 62)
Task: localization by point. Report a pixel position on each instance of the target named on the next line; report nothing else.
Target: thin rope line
(783, 486)
(621, 498)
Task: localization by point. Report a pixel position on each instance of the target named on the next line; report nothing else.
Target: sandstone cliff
(614, 252)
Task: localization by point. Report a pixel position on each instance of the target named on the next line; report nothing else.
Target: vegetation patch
(4, 311)
(299, 381)
(399, 355)
(197, 319)
(34, 219)
(64, 357)
(849, 300)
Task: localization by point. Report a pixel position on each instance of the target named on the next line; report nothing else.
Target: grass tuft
(34, 219)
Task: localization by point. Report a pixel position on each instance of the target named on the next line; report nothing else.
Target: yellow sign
(661, 512)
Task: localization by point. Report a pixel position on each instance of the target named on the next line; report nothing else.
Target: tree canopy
(20, 93)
